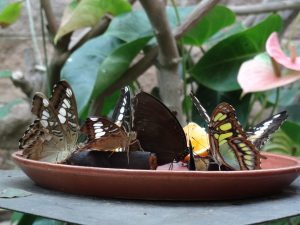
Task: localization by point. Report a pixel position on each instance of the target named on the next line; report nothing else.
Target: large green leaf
(81, 68)
(9, 13)
(134, 25)
(218, 18)
(87, 13)
(210, 99)
(218, 68)
(98, 64)
(116, 64)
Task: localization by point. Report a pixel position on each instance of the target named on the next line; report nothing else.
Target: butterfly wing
(225, 128)
(104, 135)
(122, 113)
(260, 134)
(157, 129)
(64, 103)
(53, 136)
(46, 134)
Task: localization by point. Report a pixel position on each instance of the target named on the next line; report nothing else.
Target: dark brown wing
(104, 135)
(157, 129)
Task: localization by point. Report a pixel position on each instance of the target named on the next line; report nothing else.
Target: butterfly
(111, 135)
(157, 129)
(52, 137)
(229, 145)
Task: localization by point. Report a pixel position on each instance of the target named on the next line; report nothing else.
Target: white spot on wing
(68, 92)
(98, 130)
(44, 123)
(98, 135)
(62, 112)
(120, 117)
(122, 110)
(45, 102)
(93, 118)
(61, 118)
(67, 102)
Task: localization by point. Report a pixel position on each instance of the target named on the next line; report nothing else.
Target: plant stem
(170, 85)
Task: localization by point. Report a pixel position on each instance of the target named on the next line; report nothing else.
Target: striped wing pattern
(53, 135)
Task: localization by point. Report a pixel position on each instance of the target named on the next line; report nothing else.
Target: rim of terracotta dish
(17, 156)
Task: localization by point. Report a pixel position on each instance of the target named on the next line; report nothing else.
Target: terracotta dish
(278, 172)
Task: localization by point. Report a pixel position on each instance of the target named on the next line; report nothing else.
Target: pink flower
(264, 73)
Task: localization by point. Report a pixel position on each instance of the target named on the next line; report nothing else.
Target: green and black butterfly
(230, 146)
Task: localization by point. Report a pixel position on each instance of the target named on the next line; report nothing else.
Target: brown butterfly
(111, 135)
(53, 135)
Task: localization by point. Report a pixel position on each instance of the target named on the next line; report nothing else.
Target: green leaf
(81, 68)
(217, 18)
(6, 108)
(87, 13)
(285, 140)
(210, 99)
(218, 68)
(5, 74)
(98, 64)
(22, 218)
(287, 94)
(9, 13)
(293, 112)
(113, 66)
(46, 221)
(109, 104)
(13, 193)
(134, 25)
(292, 129)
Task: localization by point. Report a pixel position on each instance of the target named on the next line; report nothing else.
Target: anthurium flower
(269, 71)
(274, 50)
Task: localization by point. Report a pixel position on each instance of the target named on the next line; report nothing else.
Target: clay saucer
(277, 172)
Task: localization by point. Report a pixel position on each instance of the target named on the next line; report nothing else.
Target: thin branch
(265, 8)
(37, 53)
(52, 24)
(198, 13)
(97, 30)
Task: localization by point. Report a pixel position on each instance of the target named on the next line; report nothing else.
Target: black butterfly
(157, 129)
(53, 136)
(241, 149)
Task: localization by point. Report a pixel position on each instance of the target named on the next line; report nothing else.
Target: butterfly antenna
(200, 108)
